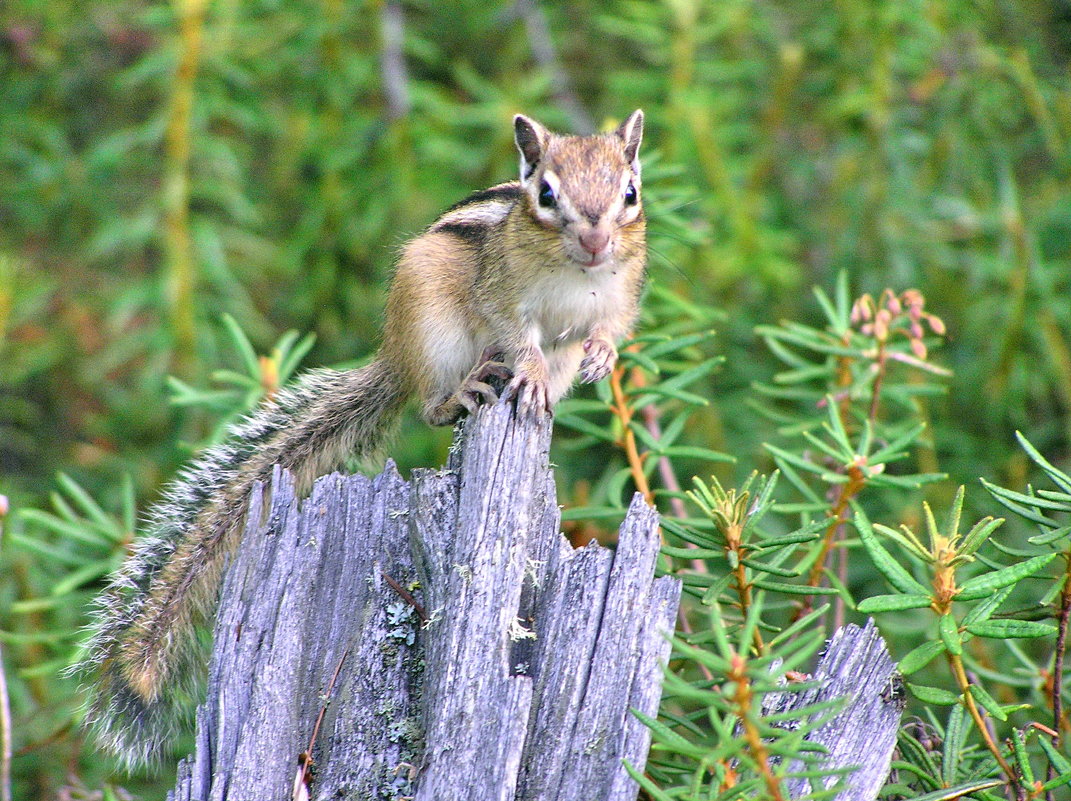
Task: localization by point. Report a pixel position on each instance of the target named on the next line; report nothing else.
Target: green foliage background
(162, 165)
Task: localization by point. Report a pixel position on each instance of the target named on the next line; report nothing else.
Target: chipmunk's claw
(599, 361)
(530, 394)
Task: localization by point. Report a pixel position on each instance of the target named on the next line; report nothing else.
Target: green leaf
(694, 452)
(979, 694)
(638, 357)
(584, 426)
(40, 637)
(933, 695)
(1042, 499)
(913, 481)
(836, 316)
(843, 456)
(710, 597)
(807, 338)
(1006, 628)
(292, 357)
(1026, 506)
(242, 345)
(649, 786)
(754, 564)
(897, 447)
(797, 481)
(952, 750)
(986, 608)
(645, 437)
(76, 578)
(693, 553)
(1050, 537)
(918, 658)
(82, 531)
(31, 605)
(1060, 478)
(892, 603)
(946, 626)
(790, 357)
(580, 405)
(717, 628)
(130, 506)
(1056, 759)
(49, 552)
(1059, 781)
(667, 391)
(906, 539)
(794, 589)
(921, 761)
(691, 375)
(793, 459)
(84, 500)
(803, 624)
(802, 375)
(675, 427)
(979, 534)
(593, 513)
(981, 586)
(959, 791)
(893, 571)
(675, 344)
(955, 512)
(615, 487)
(808, 535)
(1021, 757)
(240, 380)
(666, 735)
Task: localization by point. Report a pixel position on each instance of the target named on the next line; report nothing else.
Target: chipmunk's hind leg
(483, 384)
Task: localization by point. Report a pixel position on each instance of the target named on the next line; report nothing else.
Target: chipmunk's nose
(594, 240)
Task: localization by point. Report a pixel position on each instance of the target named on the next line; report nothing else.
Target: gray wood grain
(855, 667)
(518, 685)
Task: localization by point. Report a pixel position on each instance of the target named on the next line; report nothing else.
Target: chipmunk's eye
(546, 196)
(630, 194)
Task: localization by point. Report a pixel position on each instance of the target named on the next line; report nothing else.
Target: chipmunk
(532, 281)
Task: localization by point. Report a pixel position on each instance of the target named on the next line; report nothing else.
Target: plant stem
(743, 590)
(856, 482)
(1057, 679)
(395, 74)
(965, 687)
(181, 277)
(875, 395)
(1060, 652)
(665, 466)
(624, 413)
(742, 700)
(5, 736)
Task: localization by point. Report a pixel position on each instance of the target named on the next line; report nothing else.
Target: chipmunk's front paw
(531, 394)
(599, 361)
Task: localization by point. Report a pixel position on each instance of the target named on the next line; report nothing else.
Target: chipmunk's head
(585, 187)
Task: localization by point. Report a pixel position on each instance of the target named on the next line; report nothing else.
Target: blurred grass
(164, 164)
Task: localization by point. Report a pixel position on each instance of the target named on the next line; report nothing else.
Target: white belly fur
(567, 303)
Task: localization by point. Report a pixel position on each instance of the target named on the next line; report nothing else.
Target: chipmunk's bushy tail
(143, 650)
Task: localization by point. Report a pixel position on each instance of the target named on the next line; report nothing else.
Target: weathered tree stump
(439, 640)
(855, 668)
(519, 683)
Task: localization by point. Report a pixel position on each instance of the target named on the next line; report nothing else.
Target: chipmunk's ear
(631, 133)
(531, 139)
